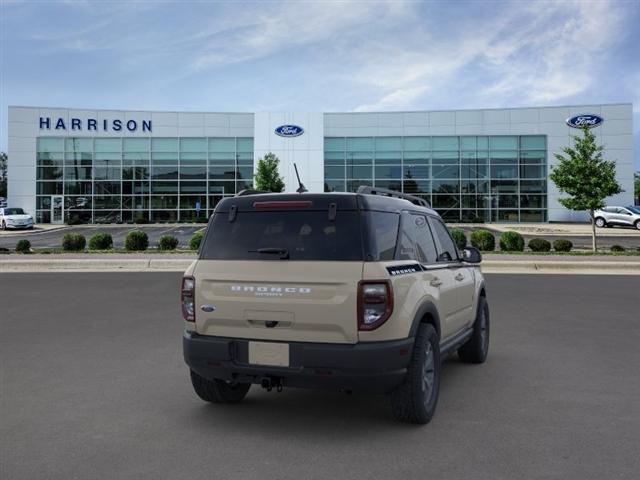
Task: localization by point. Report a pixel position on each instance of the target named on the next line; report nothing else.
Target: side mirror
(471, 255)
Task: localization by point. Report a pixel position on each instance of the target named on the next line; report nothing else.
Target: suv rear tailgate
(302, 301)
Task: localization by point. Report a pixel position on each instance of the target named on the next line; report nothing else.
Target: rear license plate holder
(269, 354)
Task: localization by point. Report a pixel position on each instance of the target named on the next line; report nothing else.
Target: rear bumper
(374, 367)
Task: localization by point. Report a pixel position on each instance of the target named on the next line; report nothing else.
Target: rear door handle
(459, 277)
(436, 282)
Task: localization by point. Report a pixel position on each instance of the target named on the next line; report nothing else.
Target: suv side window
(416, 241)
(447, 250)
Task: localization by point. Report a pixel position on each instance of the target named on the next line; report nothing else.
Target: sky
(318, 55)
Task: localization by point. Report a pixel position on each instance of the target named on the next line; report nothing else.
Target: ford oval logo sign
(289, 131)
(583, 120)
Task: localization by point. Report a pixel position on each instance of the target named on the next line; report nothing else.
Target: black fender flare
(427, 308)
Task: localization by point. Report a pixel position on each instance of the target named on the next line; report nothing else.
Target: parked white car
(15, 218)
(623, 216)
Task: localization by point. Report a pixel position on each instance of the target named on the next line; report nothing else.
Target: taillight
(375, 303)
(187, 298)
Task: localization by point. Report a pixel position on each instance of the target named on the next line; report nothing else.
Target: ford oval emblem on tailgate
(207, 308)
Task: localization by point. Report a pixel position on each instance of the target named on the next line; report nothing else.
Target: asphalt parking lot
(93, 386)
(53, 238)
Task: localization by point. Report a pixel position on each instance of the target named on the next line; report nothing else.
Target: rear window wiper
(283, 252)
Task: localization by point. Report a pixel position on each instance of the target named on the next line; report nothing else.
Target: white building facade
(111, 166)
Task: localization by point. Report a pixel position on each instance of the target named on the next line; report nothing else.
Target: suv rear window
(303, 235)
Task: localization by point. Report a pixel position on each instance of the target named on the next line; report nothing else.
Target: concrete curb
(180, 265)
(96, 265)
(560, 267)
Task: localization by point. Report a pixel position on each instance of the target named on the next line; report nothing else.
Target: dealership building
(491, 165)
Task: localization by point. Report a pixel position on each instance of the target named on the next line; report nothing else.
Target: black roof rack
(248, 191)
(365, 189)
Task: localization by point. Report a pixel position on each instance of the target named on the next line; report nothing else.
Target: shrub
(167, 242)
(511, 242)
(194, 243)
(101, 241)
(136, 240)
(459, 237)
(142, 220)
(73, 242)
(23, 246)
(539, 245)
(562, 245)
(483, 240)
(617, 248)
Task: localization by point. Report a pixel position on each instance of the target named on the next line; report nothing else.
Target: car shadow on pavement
(315, 413)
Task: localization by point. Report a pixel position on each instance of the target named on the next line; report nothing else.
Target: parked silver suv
(611, 216)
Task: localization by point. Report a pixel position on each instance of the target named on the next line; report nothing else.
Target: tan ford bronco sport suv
(351, 291)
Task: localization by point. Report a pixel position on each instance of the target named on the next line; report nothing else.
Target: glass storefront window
(78, 144)
(49, 173)
(533, 142)
(384, 172)
(485, 174)
(222, 145)
(193, 158)
(165, 144)
(421, 144)
(388, 184)
(468, 143)
(416, 171)
(416, 158)
(359, 158)
(164, 173)
(388, 144)
(50, 144)
(445, 143)
(417, 186)
(359, 171)
(244, 145)
(334, 144)
(193, 173)
(193, 145)
(193, 187)
(107, 144)
(331, 172)
(503, 142)
(136, 145)
(359, 144)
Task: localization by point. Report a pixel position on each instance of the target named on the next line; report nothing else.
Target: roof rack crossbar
(368, 190)
(249, 191)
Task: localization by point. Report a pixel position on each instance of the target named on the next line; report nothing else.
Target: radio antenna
(301, 188)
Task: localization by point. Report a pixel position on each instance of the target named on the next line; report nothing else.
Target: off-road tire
(601, 222)
(414, 401)
(218, 391)
(475, 350)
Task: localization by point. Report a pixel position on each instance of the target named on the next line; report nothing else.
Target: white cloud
(273, 28)
(535, 53)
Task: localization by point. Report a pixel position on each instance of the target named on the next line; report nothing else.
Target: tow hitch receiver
(269, 383)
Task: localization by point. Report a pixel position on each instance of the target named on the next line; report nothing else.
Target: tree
(267, 177)
(585, 176)
(3, 174)
(636, 187)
